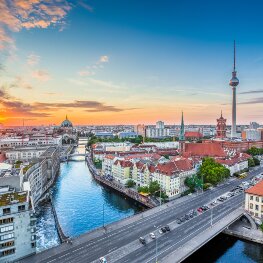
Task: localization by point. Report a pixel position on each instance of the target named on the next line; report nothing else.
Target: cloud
(41, 75)
(86, 6)
(28, 14)
(13, 107)
(33, 59)
(252, 92)
(86, 72)
(253, 101)
(104, 59)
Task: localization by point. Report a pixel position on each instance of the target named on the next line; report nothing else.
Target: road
(122, 243)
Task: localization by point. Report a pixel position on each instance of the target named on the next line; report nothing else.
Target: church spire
(181, 136)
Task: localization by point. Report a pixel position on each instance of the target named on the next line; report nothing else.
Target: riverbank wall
(62, 236)
(145, 201)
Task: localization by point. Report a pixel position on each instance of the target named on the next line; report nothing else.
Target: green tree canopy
(212, 172)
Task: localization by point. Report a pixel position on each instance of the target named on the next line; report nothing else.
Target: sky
(129, 61)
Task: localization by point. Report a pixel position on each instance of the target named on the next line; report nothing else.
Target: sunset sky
(129, 61)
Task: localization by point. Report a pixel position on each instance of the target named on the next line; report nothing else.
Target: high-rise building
(221, 127)
(233, 83)
(140, 129)
(159, 125)
(17, 225)
(253, 125)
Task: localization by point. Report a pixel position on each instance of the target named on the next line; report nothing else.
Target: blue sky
(134, 62)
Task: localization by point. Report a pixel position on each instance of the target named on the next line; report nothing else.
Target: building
(123, 135)
(251, 134)
(159, 131)
(25, 153)
(140, 129)
(253, 125)
(254, 201)
(221, 127)
(17, 225)
(121, 170)
(41, 175)
(233, 83)
(103, 134)
(193, 135)
(235, 164)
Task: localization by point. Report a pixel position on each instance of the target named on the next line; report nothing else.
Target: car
(167, 228)
(103, 260)
(200, 209)
(195, 213)
(178, 221)
(152, 235)
(187, 217)
(163, 229)
(160, 231)
(142, 240)
(182, 219)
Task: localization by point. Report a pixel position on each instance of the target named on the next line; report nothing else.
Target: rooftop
(256, 189)
(13, 198)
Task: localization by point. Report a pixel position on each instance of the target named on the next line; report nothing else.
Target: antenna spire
(234, 55)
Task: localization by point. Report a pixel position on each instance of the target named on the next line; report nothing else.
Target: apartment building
(17, 225)
(254, 201)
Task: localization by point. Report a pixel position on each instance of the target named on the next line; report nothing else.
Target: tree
(212, 172)
(255, 151)
(256, 161)
(261, 227)
(251, 162)
(130, 183)
(154, 187)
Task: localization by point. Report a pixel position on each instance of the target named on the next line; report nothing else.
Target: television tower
(233, 83)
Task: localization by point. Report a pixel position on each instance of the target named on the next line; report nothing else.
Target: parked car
(200, 209)
(163, 229)
(167, 228)
(142, 240)
(152, 235)
(103, 260)
(178, 221)
(160, 231)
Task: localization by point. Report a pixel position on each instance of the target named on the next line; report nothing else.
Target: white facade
(157, 132)
(163, 145)
(252, 134)
(24, 154)
(17, 227)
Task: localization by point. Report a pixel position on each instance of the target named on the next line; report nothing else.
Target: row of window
(6, 228)
(8, 252)
(6, 236)
(256, 198)
(256, 206)
(7, 210)
(6, 220)
(7, 244)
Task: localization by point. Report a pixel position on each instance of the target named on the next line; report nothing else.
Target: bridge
(118, 242)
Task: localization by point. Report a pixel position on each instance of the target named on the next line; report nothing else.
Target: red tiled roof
(193, 134)
(204, 149)
(241, 157)
(123, 163)
(111, 157)
(256, 189)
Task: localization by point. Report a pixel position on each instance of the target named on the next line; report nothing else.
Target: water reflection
(79, 202)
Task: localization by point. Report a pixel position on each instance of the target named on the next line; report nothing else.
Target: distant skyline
(129, 62)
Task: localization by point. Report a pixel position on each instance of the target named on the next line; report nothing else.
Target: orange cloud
(18, 14)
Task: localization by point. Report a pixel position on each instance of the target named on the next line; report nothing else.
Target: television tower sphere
(234, 81)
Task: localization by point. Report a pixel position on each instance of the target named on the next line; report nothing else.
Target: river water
(79, 202)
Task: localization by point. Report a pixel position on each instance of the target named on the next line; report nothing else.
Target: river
(79, 202)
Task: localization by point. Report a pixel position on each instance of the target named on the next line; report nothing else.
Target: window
(7, 244)
(251, 197)
(6, 228)
(21, 208)
(257, 199)
(6, 211)
(33, 244)
(256, 214)
(256, 207)
(6, 221)
(6, 236)
(7, 252)
(251, 206)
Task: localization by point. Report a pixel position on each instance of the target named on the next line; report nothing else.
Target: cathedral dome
(66, 123)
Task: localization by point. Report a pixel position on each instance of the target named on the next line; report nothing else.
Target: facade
(253, 125)
(121, 170)
(251, 134)
(254, 201)
(123, 135)
(41, 175)
(140, 129)
(25, 154)
(221, 127)
(159, 131)
(17, 225)
(192, 135)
